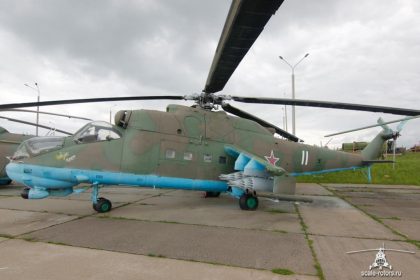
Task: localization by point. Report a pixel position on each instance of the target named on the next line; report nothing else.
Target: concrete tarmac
(167, 234)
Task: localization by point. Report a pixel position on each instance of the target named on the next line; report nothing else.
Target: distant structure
(356, 147)
(353, 147)
(415, 149)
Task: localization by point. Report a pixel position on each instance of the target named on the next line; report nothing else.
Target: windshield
(38, 145)
(96, 131)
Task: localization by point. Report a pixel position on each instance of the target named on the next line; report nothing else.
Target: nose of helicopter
(15, 171)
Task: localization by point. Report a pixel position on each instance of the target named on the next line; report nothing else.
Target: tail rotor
(387, 132)
(395, 135)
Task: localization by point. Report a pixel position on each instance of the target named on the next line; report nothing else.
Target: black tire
(95, 204)
(103, 205)
(242, 202)
(212, 194)
(25, 193)
(248, 202)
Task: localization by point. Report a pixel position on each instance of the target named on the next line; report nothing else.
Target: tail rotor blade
(385, 127)
(401, 125)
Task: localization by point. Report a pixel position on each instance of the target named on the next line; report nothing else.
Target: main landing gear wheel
(102, 205)
(212, 194)
(248, 202)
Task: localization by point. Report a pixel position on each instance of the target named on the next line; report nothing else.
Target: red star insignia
(272, 159)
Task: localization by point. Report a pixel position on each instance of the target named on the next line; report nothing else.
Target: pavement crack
(375, 218)
(317, 265)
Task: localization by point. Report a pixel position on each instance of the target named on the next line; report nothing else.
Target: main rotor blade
(328, 104)
(34, 124)
(237, 112)
(88, 100)
(245, 21)
(46, 113)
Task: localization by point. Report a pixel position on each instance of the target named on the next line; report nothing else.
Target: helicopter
(199, 147)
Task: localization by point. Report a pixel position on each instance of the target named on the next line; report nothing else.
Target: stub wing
(255, 174)
(251, 164)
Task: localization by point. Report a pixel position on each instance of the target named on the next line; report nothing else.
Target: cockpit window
(96, 131)
(38, 145)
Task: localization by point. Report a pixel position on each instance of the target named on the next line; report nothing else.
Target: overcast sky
(360, 51)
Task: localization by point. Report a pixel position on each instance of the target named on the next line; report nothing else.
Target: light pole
(37, 107)
(110, 113)
(285, 114)
(293, 88)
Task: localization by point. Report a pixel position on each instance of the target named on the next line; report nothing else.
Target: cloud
(361, 52)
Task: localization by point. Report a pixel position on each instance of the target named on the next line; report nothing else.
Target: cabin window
(188, 156)
(96, 131)
(207, 158)
(170, 154)
(222, 160)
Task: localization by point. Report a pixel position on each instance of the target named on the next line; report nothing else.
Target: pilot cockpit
(37, 146)
(96, 131)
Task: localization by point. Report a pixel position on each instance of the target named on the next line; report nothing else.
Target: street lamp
(110, 113)
(284, 110)
(37, 107)
(285, 115)
(293, 88)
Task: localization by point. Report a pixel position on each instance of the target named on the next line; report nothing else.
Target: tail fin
(374, 149)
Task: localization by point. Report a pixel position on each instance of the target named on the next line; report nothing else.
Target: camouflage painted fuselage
(187, 142)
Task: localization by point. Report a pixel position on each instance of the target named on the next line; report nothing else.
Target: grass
(58, 243)
(280, 231)
(282, 271)
(29, 238)
(156, 256)
(276, 211)
(392, 218)
(407, 170)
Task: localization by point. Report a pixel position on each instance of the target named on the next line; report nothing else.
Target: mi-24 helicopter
(191, 148)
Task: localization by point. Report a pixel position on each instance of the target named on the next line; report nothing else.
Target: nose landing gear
(100, 204)
(25, 193)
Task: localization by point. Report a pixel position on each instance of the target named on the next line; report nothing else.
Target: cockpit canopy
(38, 145)
(96, 131)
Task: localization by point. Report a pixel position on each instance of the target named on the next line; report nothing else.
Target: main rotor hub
(207, 101)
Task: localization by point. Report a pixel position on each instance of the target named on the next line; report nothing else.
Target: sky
(364, 52)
